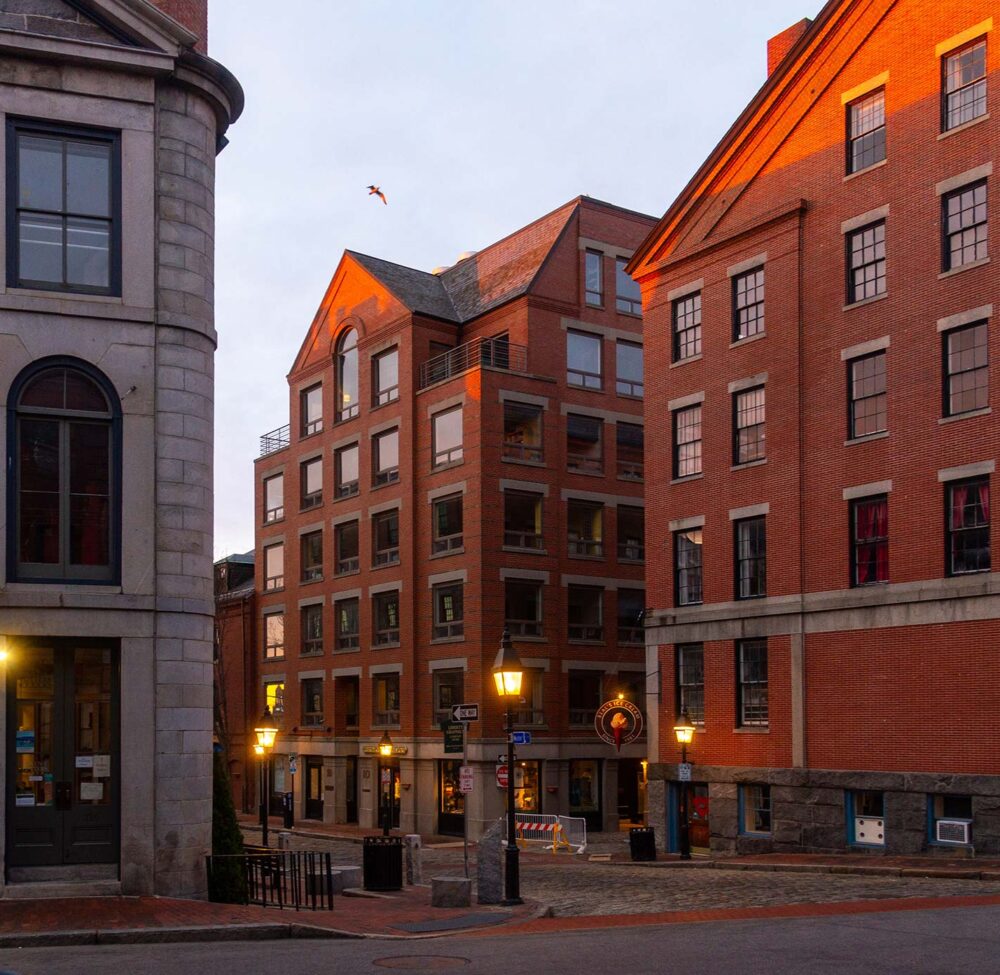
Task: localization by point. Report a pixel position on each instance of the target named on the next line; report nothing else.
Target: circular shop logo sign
(618, 723)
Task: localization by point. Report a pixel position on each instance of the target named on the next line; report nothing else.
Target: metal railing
(278, 879)
(495, 353)
(276, 440)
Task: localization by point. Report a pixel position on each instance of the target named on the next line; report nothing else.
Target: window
(385, 616)
(594, 274)
(311, 622)
(311, 483)
(748, 304)
(522, 520)
(628, 294)
(866, 378)
(312, 702)
(691, 681)
(274, 567)
(755, 809)
(866, 817)
(447, 436)
(584, 444)
(965, 226)
(583, 360)
(628, 369)
(385, 377)
(522, 432)
(963, 96)
(968, 524)
(385, 538)
(749, 415)
(345, 464)
(347, 613)
(869, 541)
(63, 209)
(385, 700)
(274, 498)
(631, 534)
(630, 444)
(751, 687)
(631, 606)
(346, 691)
(274, 636)
(345, 540)
(446, 514)
(523, 607)
(584, 697)
(751, 558)
(632, 683)
(347, 376)
(585, 528)
(531, 712)
(686, 316)
(65, 459)
(449, 615)
(866, 262)
(274, 697)
(687, 441)
(950, 819)
(311, 410)
(866, 131)
(312, 556)
(687, 567)
(448, 691)
(585, 612)
(385, 457)
(966, 369)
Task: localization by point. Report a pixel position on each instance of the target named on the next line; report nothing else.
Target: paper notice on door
(91, 791)
(24, 800)
(102, 766)
(35, 778)
(84, 761)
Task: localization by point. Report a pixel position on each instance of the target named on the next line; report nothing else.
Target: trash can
(288, 809)
(382, 862)
(642, 843)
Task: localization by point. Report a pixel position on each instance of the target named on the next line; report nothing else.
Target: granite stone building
(113, 115)
(822, 340)
(464, 454)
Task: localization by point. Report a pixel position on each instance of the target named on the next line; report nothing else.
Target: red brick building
(821, 335)
(464, 453)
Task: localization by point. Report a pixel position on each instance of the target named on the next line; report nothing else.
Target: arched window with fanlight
(347, 375)
(64, 502)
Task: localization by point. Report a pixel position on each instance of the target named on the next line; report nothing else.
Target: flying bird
(377, 191)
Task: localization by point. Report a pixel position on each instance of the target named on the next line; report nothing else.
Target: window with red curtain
(968, 507)
(870, 541)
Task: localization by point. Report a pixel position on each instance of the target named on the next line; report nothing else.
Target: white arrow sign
(465, 712)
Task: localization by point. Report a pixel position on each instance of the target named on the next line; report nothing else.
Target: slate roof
(421, 292)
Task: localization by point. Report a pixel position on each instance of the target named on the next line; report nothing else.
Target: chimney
(192, 14)
(779, 45)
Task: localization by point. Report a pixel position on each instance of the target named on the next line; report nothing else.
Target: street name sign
(521, 737)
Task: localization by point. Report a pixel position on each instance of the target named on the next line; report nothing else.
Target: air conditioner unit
(951, 831)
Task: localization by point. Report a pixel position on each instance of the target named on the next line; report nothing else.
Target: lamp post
(684, 732)
(266, 731)
(385, 750)
(507, 674)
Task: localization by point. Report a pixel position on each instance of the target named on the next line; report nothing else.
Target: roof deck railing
(275, 440)
(495, 353)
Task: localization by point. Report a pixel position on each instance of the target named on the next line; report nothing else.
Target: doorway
(314, 788)
(388, 778)
(62, 794)
(351, 785)
(631, 793)
(451, 799)
(585, 792)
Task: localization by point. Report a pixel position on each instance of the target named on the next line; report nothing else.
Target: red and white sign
(465, 779)
(502, 776)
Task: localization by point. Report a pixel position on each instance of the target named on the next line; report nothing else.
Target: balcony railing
(276, 440)
(496, 353)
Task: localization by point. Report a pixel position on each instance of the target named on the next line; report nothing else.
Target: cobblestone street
(574, 885)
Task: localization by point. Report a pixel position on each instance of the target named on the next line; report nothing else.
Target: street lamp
(266, 731)
(385, 750)
(507, 673)
(684, 731)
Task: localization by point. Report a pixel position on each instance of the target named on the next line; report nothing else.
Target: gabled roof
(422, 293)
(779, 85)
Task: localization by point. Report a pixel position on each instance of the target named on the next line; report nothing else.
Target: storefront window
(452, 800)
(584, 786)
(527, 797)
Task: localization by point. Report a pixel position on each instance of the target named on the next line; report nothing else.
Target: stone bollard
(489, 870)
(284, 840)
(414, 866)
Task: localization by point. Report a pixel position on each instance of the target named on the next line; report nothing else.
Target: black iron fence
(281, 878)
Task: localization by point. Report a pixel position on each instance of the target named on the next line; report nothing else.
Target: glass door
(352, 789)
(314, 788)
(451, 799)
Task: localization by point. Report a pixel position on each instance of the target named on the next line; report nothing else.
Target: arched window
(65, 494)
(347, 375)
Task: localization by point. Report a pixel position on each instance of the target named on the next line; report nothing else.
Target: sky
(474, 116)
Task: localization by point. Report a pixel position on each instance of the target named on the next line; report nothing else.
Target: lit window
(628, 295)
(347, 376)
(964, 85)
(966, 230)
(866, 131)
(385, 700)
(866, 262)
(967, 369)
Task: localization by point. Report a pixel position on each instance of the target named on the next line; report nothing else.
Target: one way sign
(465, 712)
